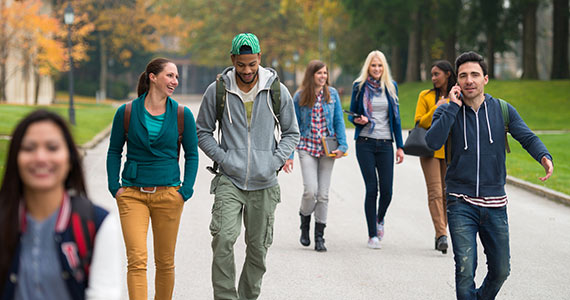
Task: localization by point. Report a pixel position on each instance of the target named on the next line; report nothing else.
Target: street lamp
(332, 47)
(68, 19)
(295, 60)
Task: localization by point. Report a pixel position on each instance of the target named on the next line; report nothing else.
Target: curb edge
(540, 190)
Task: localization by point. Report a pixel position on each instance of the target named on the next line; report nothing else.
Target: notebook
(330, 143)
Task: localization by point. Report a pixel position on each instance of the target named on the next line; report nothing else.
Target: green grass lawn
(521, 165)
(3, 153)
(544, 105)
(91, 119)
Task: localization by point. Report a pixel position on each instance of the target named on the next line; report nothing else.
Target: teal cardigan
(153, 164)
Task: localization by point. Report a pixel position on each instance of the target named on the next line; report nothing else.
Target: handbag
(416, 143)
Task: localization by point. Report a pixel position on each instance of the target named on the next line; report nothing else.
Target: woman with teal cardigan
(150, 186)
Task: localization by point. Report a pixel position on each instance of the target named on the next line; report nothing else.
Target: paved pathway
(406, 267)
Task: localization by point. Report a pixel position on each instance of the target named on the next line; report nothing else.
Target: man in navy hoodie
(476, 173)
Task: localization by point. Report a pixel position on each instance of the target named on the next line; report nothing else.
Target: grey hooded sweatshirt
(247, 153)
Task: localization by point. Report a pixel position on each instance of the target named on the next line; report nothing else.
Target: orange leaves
(33, 32)
(130, 26)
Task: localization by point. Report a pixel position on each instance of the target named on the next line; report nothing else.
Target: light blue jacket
(333, 116)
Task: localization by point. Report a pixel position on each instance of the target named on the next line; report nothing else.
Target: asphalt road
(406, 267)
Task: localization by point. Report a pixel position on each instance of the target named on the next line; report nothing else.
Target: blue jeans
(376, 161)
(465, 221)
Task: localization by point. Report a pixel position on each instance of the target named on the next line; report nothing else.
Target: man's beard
(252, 80)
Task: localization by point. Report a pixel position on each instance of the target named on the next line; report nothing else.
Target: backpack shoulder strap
(505, 111)
(127, 118)
(85, 222)
(506, 120)
(220, 105)
(180, 121)
(220, 98)
(275, 92)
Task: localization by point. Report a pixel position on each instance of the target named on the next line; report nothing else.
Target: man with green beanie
(248, 156)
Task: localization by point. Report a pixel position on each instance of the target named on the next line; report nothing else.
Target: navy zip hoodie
(477, 167)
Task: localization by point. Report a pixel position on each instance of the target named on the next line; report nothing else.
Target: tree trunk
(490, 54)
(37, 78)
(413, 65)
(426, 37)
(530, 70)
(103, 66)
(3, 59)
(27, 67)
(3, 52)
(449, 53)
(395, 63)
(448, 18)
(560, 40)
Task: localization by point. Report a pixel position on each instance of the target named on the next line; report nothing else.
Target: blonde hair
(385, 78)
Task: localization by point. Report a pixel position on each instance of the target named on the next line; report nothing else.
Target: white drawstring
(488, 126)
(464, 130)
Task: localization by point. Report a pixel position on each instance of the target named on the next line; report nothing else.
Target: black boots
(441, 244)
(319, 240)
(305, 224)
(319, 232)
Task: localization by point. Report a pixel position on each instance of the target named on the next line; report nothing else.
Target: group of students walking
(43, 195)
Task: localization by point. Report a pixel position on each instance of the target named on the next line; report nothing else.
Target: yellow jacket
(424, 114)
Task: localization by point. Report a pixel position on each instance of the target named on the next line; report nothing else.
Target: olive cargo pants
(257, 209)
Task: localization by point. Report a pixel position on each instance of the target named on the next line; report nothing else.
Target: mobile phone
(459, 96)
(351, 113)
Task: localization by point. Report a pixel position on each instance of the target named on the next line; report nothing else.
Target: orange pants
(434, 173)
(164, 208)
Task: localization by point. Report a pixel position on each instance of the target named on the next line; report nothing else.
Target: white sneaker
(380, 227)
(374, 243)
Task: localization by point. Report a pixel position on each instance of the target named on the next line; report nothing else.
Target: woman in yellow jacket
(443, 78)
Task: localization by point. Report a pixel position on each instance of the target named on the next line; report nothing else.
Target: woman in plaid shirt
(319, 114)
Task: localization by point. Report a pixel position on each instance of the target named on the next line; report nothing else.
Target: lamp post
(332, 47)
(68, 19)
(295, 60)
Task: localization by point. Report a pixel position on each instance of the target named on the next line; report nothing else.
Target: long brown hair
(12, 189)
(155, 66)
(308, 86)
